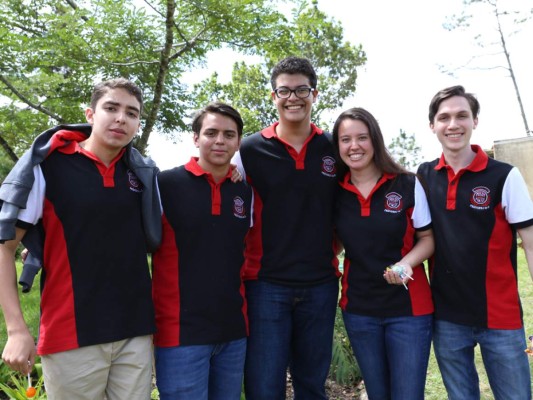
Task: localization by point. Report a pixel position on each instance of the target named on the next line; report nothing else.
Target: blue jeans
(201, 372)
(503, 355)
(392, 353)
(289, 327)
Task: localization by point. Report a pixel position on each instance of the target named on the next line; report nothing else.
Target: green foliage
(9, 383)
(5, 373)
(50, 60)
(248, 92)
(52, 52)
(344, 369)
(307, 33)
(320, 39)
(405, 150)
(30, 304)
(17, 388)
(14, 122)
(5, 166)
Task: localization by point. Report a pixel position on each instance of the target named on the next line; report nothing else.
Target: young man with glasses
(290, 270)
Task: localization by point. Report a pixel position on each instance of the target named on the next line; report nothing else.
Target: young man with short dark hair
(198, 291)
(96, 201)
(478, 205)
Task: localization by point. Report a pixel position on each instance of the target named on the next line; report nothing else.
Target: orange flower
(30, 392)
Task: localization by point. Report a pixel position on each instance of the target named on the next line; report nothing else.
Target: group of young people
(245, 274)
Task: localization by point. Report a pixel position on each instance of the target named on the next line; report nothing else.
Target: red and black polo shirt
(95, 281)
(377, 232)
(197, 286)
(291, 242)
(476, 213)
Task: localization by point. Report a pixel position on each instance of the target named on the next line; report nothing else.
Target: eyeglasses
(301, 92)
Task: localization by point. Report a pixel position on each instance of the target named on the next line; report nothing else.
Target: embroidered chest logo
(393, 202)
(134, 183)
(328, 166)
(238, 207)
(480, 198)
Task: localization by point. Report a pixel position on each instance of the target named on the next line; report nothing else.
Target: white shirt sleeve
(516, 201)
(159, 196)
(237, 160)
(252, 210)
(421, 215)
(34, 207)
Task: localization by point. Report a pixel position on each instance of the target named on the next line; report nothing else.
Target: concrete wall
(517, 152)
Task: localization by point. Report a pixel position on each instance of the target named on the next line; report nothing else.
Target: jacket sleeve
(146, 170)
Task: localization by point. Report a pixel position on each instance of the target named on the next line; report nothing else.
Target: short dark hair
(382, 158)
(450, 92)
(292, 66)
(100, 89)
(217, 108)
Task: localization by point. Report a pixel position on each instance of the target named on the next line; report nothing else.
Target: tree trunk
(511, 72)
(142, 142)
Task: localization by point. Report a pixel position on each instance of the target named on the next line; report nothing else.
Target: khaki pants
(115, 371)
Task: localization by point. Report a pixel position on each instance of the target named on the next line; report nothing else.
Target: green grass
(434, 386)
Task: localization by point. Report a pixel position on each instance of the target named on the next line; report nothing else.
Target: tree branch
(130, 64)
(153, 8)
(73, 4)
(187, 46)
(27, 101)
(7, 148)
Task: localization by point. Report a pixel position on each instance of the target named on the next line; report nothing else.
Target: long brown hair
(382, 158)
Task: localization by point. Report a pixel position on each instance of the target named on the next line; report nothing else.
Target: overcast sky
(405, 43)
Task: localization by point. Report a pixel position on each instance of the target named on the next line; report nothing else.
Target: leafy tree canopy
(308, 33)
(405, 150)
(52, 52)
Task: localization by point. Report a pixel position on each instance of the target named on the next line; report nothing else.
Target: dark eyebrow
(297, 87)
(216, 130)
(114, 103)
